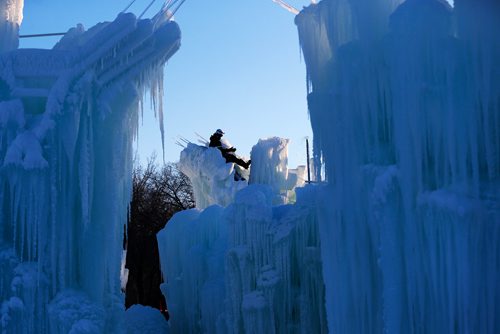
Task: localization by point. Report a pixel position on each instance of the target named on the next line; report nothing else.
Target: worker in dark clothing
(227, 153)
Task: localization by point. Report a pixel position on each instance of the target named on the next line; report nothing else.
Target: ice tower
(67, 120)
(405, 113)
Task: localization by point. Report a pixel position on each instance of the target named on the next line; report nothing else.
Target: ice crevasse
(68, 117)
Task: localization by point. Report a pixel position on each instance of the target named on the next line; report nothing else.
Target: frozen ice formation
(408, 126)
(11, 16)
(212, 178)
(270, 167)
(240, 263)
(403, 237)
(248, 268)
(214, 182)
(68, 117)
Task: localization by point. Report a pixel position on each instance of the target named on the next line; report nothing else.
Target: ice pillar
(11, 16)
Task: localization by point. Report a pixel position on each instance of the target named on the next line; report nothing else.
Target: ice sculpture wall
(248, 268)
(408, 126)
(67, 120)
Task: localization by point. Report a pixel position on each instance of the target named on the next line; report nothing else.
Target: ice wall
(67, 120)
(408, 127)
(11, 16)
(248, 268)
(334, 23)
(240, 263)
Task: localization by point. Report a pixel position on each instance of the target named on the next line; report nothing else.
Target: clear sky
(239, 69)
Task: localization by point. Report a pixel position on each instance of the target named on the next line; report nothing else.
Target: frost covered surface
(248, 268)
(68, 117)
(407, 125)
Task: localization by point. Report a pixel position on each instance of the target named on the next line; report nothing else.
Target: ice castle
(403, 237)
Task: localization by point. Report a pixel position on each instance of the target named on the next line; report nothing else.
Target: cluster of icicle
(68, 117)
(250, 267)
(406, 117)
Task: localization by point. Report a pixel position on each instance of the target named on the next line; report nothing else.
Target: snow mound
(141, 319)
(73, 312)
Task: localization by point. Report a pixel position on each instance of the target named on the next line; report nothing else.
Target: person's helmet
(219, 132)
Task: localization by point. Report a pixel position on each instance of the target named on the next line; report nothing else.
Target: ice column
(11, 16)
(270, 167)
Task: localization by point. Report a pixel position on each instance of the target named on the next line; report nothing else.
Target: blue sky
(239, 68)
